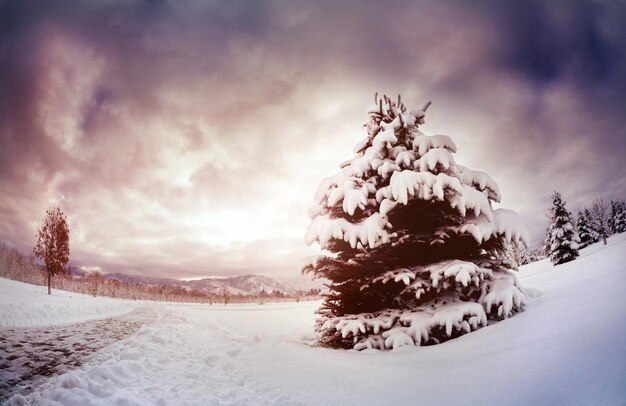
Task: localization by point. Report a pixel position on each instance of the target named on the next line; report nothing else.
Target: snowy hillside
(568, 347)
(25, 305)
(257, 283)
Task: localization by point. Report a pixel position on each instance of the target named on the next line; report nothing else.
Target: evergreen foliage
(618, 216)
(415, 251)
(586, 234)
(563, 246)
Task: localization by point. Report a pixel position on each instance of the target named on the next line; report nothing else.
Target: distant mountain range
(244, 284)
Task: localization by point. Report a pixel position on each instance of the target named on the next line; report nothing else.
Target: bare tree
(600, 218)
(53, 242)
(225, 295)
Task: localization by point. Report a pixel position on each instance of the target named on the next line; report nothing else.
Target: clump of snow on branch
(412, 328)
(370, 231)
(501, 295)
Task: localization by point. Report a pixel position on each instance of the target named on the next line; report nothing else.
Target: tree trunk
(49, 292)
(604, 239)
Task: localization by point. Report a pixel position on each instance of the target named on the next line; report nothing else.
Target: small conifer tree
(563, 246)
(586, 235)
(618, 216)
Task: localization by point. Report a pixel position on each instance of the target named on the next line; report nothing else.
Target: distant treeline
(19, 267)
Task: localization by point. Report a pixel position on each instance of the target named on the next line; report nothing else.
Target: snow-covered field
(26, 305)
(568, 347)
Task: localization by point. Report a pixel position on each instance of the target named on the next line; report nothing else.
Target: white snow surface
(568, 347)
(26, 305)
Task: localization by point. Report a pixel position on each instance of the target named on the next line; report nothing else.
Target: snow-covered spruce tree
(586, 234)
(563, 244)
(617, 220)
(620, 217)
(415, 251)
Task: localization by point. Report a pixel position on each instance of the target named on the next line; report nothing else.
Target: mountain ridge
(248, 284)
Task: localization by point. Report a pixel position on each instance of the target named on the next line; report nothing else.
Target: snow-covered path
(183, 358)
(29, 355)
(568, 347)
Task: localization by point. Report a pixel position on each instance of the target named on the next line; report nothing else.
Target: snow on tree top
(397, 164)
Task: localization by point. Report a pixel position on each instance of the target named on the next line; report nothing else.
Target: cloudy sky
(186, 139)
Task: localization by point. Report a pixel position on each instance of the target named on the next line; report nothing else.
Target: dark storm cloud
(186, 138)
(546, 41)
(579, 47)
